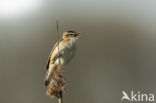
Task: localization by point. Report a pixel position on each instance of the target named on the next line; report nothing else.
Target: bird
(61, 54)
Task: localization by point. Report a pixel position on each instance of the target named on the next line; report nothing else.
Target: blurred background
(116, 51)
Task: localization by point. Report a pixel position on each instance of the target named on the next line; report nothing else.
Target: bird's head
(70, 35)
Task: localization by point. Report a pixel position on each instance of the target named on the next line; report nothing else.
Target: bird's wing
(56, 44)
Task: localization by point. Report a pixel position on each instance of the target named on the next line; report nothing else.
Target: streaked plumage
(67, 50)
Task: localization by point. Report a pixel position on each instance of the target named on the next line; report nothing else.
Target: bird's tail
(49, 74)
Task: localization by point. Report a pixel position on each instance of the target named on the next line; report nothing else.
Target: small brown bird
(67, 50)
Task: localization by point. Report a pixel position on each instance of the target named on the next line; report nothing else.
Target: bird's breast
(67, 55)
